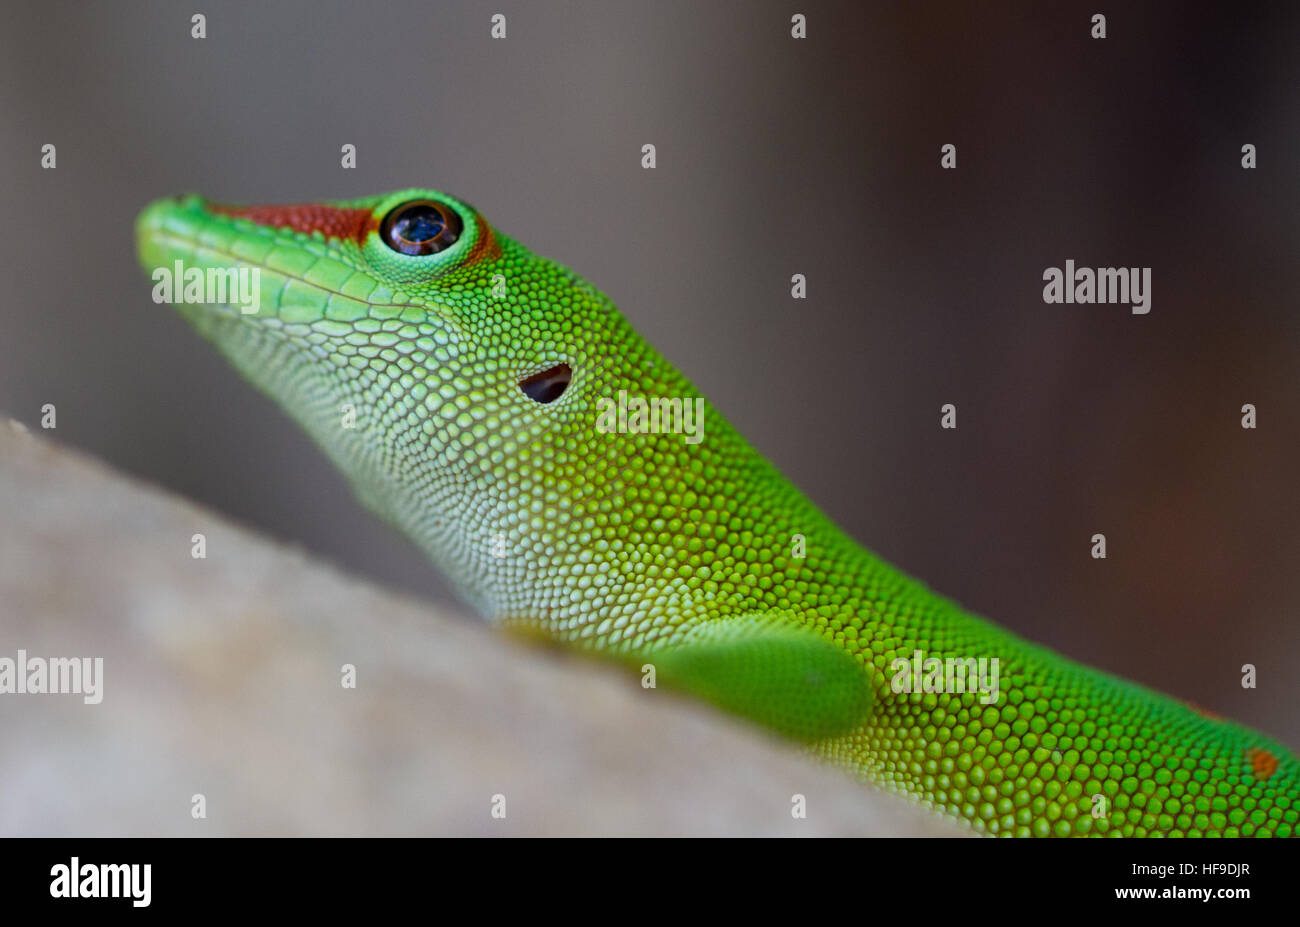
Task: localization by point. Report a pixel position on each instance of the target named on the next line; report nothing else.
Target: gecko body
(464, 386)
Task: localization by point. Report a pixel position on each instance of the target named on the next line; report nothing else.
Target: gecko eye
(548, 385)
(421, 227)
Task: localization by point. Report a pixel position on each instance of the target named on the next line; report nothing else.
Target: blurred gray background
(775, 157)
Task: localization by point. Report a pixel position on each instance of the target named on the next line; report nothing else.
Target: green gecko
(465, 385)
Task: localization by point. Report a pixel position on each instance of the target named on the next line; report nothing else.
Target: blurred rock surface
(222, 678)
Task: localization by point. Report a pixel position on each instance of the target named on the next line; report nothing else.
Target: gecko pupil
(548, 385)
(421, 227)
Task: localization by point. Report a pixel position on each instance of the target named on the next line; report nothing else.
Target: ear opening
(549, 385)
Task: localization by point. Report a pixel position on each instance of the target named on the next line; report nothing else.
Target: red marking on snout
(332, 222)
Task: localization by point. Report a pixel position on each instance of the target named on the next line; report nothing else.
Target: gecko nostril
(549, 385)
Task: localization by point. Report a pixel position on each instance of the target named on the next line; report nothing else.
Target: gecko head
(450, 373)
